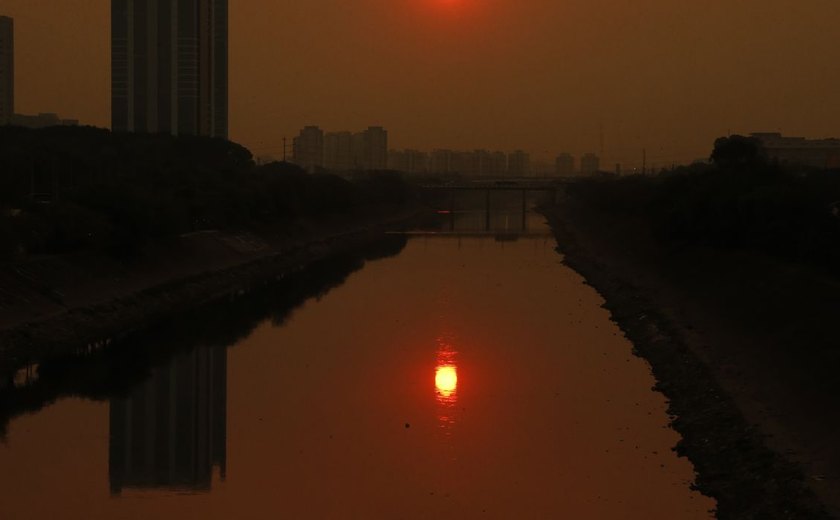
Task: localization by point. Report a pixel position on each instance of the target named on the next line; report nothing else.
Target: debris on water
(407, 426)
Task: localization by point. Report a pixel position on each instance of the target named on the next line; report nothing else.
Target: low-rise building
(819, 153)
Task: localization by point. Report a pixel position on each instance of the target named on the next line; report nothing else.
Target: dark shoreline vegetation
(738, 200)
(65, 189)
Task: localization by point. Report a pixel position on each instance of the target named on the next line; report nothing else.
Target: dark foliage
(64, 189)
(739, 200)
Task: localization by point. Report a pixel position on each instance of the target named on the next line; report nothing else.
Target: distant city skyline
(542, 76)
(313, 149)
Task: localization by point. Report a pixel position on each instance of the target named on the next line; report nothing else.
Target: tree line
(64, 189)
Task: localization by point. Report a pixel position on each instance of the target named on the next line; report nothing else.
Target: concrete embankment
(741, 346)
(58, 306)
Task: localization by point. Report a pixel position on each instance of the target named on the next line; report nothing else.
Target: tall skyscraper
(170, 432)
(7, 70)
(169, 66)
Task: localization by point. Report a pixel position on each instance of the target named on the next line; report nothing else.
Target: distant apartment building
(41, 121)
(308, 149)
(7, 69)
(358, 149)
(484, 163)
(397, 160)
(462, 163)
(476, 163)
(479, 162)
(818, 153)
(169, 66)
(564, 165)
(374, 148)
(440, 161)
(343, 151)
(589, 164)
(519, 164)
(408, 161)
(496, 164)
(338, 151)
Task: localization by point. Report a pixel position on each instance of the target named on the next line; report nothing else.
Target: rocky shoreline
(734, 464)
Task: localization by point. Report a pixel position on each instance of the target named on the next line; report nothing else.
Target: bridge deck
(501, 185)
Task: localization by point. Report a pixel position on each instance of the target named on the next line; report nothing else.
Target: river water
(456, 374)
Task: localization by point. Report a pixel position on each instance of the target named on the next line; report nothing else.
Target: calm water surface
(469, 376)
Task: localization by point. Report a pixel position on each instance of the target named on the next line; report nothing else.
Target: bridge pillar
(487, 211)
(452, 210)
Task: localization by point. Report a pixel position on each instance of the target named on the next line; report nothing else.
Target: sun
(450, 5)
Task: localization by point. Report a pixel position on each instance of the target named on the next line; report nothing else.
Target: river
(452, 374)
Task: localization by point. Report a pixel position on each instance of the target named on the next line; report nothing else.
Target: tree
(737, 151)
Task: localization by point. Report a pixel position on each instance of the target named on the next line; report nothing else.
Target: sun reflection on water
(446, 385)
(446, 380)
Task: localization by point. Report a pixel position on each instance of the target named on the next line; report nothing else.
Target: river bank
(721, 330)
(59, 306)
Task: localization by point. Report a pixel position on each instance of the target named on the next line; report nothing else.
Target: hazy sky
(542, 75)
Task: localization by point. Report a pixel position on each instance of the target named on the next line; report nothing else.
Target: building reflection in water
(446, 384)
(169, 433)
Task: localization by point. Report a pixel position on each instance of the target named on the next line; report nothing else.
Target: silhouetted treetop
(737, 151)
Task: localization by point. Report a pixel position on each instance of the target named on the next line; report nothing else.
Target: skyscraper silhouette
(169, 66)
(170, 432)
(7, 70)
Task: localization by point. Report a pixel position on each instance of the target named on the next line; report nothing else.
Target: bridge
(521, 184)
(502, 184)
(498, 236)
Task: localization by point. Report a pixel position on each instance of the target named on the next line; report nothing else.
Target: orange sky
(542, 75)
